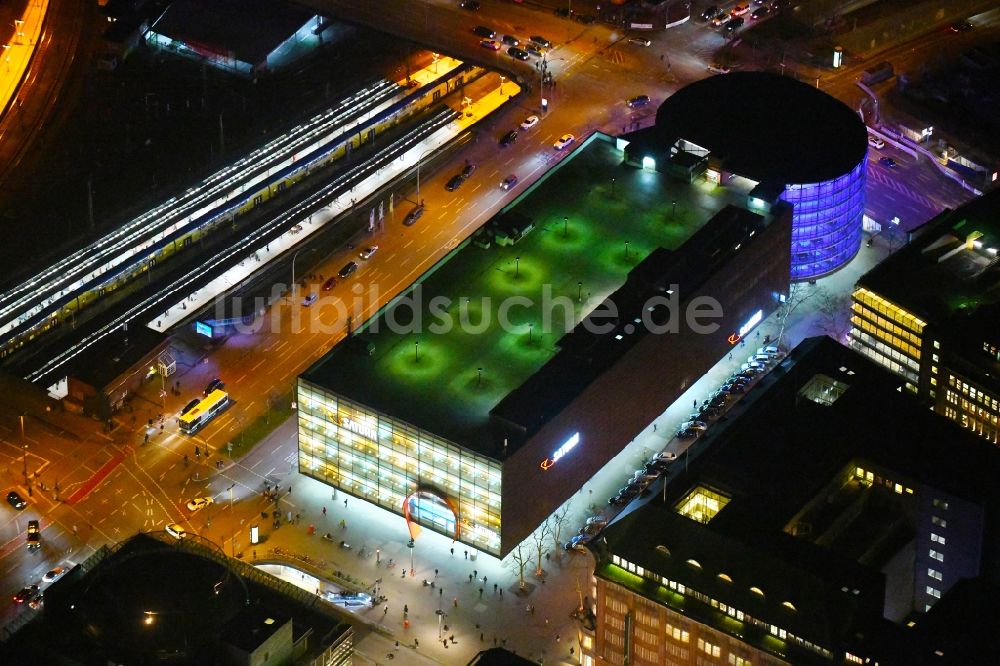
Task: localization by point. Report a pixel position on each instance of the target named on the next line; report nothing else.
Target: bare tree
(798, 294)
(582, 567)
(835, 314)
(516, 560)
(539, 538)
(557, 521)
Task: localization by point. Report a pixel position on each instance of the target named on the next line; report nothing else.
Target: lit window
(940, 504)
(898, 488)
(739, 661)
(934, 592)
(937, 345)
(701, 504)
(709, 648)
(937, 555)
(937, 538)
(939, 521)
(934, 573)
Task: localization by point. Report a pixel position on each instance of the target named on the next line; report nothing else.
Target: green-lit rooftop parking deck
(446, 352)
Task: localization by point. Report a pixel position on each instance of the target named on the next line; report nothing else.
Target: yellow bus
(203, 412)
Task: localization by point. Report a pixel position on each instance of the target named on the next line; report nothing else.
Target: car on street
(348, 270)
(215, 385)
(198, 503)
(597, 519)
(591, 529)
(759, 13)
(15, 500)
(34, 535)
(27, 592)
(454, 182)
(960, 26)
(508, 138)
(687, 433)
(483, 31)
(510, 40)
(719, 69)
(711, 12)
(191, 405)
(470, 5)
(577, 542)
(888, 162)
(876, 142)
(535, 50)
(310, 299)
(411, 218)
(519, 54)
(529, 122)
(330, 283)
(637, 101)
(52, 575)
(541, 41)
(468, 170)
(35, 602)
(733, 25)
(490, 44)
(176, 531)
(695, 425)
(509, 182)
(640, 41)
(719, 19)
(740, 9)
(564, 141)
(368, 252)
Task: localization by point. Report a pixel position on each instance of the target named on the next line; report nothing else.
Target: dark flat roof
(773, 455)
(936, 278)
(766, 127)
(253, 626)
(250, 29)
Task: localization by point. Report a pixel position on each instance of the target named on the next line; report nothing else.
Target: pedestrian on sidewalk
(385, 610)
(470, 578)
(455, 602)
(406, 609)
(494, 588)
(480, 637)
(345, 502)
(480, 593)
(324, 512)
(501, 593)
(289, 490)
(466, 554)
(453, 552)
(475, 573)
(484, 580)
(435, 573)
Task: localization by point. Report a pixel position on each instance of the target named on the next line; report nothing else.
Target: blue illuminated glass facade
(826, 223)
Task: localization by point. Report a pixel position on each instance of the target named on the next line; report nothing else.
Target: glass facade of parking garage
(826, 223)
(408, 471)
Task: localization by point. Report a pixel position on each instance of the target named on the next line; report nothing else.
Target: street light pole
(233, 516)
(294, 257)
(25, 444)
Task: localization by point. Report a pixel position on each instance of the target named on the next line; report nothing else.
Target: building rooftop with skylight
(826, 503)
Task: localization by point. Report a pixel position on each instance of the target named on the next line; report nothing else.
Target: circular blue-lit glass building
(785, 135)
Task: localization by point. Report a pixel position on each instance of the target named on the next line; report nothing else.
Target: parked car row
(516, 48)
(736, 384)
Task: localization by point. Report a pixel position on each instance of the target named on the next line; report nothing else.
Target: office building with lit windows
(931, 314)
(559, 352)
(817, 524)
(776, 139)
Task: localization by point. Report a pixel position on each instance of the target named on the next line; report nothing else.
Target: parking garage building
(482, 435)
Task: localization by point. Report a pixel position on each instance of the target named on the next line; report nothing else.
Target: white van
(876, 142)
